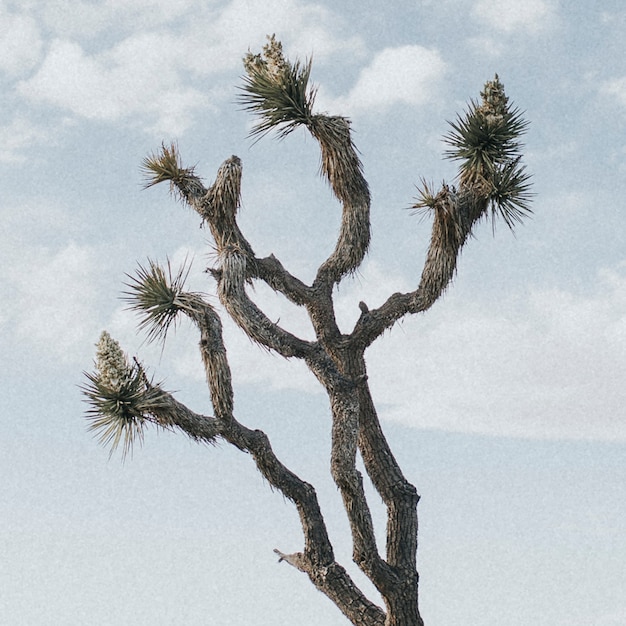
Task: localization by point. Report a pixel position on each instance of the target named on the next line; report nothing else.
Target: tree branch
(400, 498)
(317, 560)
(278, 92)
(345, 410)
(317, 299)
(343, 169)
(486, 142)
(220, 205)
(455, 214)
(272, 272)
(232, 294)
(172, 413)
(123, 398)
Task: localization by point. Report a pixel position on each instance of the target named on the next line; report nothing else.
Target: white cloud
(134, 78)
(408, 75)
(217, 42)
(304, 28)
(54, 300)
(20, 43)
(530, 16)
(78, 19)
(226, 27)
(51, 292)
(552, 366)
(616, 88)
(151, 74)
(18, 134)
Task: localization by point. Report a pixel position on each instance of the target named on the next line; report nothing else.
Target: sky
(503, 403)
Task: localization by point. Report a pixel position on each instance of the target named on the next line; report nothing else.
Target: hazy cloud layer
(530, 16)
(54, 302)
(155, 73)
(409, 75)
(20, 43)
(551, 365)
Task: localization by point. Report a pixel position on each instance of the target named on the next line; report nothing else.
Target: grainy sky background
(504, 403)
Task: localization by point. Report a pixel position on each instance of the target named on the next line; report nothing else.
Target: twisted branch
(345, 410)
(233, 296)
(342, 168)
(454, 216)
(491, 177)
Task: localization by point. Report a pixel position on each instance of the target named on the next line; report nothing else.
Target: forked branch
(491, 181)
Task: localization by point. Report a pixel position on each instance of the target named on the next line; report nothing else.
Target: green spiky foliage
(158, 295)
(120, 396)
(276, 90)
(164, 166)
(486, 141)
(427, 197)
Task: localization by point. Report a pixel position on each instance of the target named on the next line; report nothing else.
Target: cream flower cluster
(111, 362)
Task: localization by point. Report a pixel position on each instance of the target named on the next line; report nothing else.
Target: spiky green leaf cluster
(158, 295)
(482, 141)
(165, 166)
(486, 141)
(426, 200)
(511, 195)
(119, 396)
(113, 414)
(277, 90)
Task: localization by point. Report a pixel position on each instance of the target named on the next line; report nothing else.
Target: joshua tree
(491, 182)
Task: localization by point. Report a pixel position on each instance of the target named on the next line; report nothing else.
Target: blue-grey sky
(504, 403)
